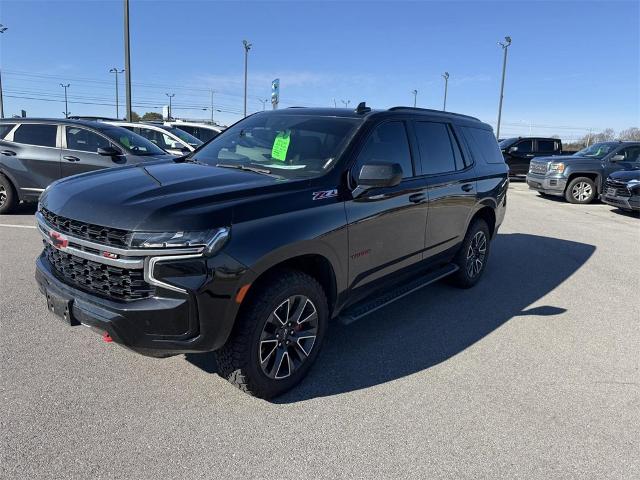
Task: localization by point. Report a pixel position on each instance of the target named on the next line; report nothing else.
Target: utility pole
(127, 60)
(346, 103)
(66, 108)
(415, 97)
(335, 105)
(445, 75)
(212, 92)
(2, 30)
(589, 138)
(170, 97)
(505, 46)
(247, 47)
(116, 72)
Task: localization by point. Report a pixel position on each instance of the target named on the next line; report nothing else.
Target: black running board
(363, 309)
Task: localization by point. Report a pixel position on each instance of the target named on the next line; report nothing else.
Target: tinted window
(132, 142)
(5, 128)
(387, 143)
(631, 154)
(439, 151)
(483, 144)
(85, 140)
(525, 146)
(547, 146)
(36, 134)
(157, 137)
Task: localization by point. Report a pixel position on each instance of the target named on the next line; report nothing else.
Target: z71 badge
(325, 194)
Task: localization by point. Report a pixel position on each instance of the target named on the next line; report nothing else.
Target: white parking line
(16, 226)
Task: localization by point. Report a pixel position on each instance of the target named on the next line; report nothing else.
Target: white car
(202, 131)
(169, 138)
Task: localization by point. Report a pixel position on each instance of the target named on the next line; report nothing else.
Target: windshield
(132, 142)
(184, 136)
(289, 146)
(597, 150)
(506, 142)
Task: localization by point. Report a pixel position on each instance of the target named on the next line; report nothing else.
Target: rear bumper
(549, 185)
(165, 324)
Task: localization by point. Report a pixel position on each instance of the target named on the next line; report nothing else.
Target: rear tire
(8, 196)
(472, 257)
(581, 190)
(277, 336)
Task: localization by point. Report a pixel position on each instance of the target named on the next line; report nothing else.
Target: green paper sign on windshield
(281, 145)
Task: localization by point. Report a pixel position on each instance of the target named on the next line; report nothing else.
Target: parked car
(171, 139)
(622, 190)
(519, 151)
(580, 177)
(36, 152)
(290, 218)
(202, 131)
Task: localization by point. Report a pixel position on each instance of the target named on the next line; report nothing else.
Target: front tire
(8, 197)
(472, 257)
(581, 190)
(277, 337)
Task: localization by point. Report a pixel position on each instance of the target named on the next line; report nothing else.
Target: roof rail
(433, 111)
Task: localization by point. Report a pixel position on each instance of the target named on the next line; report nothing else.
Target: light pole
(2, 30)
(212, 109)
(66, 108)
(415, 97)
(505, 46)
(346, 103)
(247, 47)
(170, 97)
(445, 75)
(127, 60)
(116, 71)
(264, 103)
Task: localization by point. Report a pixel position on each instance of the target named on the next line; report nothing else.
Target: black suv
(251, 244)
(519, 151)
(36, 152)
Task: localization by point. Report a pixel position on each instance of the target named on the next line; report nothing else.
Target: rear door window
(387, 143)
(547, 146)
(483, 144)
(439, 150)
(39, 134)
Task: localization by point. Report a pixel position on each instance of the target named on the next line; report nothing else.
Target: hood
(561, 158)
(156, 196)
(625, 175)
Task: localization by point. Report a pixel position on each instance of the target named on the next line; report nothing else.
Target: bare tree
(632, 133)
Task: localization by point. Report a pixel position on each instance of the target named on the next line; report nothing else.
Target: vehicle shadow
(24, 209)
(439, 321)
(626, 213)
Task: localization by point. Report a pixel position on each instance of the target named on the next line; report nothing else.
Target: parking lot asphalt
(534, 373)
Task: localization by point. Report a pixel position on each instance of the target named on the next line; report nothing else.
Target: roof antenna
(362, 108)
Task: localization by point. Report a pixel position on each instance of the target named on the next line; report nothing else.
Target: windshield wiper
(264, 171)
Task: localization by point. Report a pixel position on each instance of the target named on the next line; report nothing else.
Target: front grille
(111, 282)
(619, 188)
(94, 233)
(535, 167)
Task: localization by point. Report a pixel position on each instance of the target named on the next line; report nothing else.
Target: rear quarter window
(483, 144)
(6, 128)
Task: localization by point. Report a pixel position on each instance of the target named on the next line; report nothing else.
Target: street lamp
(170, 97)
(127, 61)
(445, 75)
(116, 71)
(2, 30)
(505, 46)
(346, 103)
(247, 47)
(415, 97)
(212, 109)
(264, 103)
(66, 108)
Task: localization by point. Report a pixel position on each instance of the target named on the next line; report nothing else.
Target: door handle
(9, 153)
(71, 158)
(467, 187)
(417, 197)
(529, 155)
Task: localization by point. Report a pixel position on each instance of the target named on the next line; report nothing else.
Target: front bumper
(167, 323)
(550, 185)
(625, 203)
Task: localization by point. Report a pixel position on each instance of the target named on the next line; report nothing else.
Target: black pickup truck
(519, 151)
(251, 244)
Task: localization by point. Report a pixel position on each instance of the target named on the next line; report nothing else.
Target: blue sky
(572, 65)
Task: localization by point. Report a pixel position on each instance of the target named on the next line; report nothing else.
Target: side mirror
(109, 151)
(377, 175)
(617, 158)
(513, 149)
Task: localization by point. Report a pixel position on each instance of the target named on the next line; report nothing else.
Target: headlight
(556, 167)
(633, 182)
(213, 240)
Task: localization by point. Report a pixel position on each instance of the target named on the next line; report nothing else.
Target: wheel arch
(595, 176)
